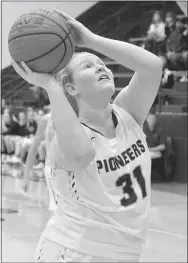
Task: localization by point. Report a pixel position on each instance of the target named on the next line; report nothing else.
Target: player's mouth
(103, 77)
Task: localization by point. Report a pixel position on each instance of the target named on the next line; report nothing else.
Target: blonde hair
(65, 77)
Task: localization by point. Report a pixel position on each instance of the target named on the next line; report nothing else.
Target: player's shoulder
(125, 115)
(121, 112)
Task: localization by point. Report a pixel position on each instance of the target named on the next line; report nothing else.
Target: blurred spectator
(3, 104)
(39, 116)
(22, 122)
(185, 108)
(18, 134)
(154, 136)
(176, 47)
(161, 148)
(28, 127)
(10, 133)
(9, 126)
(18, 141)
(156, 35)
(47, 108)
(167, 80)
(31, 122)
(170, 23)
(9, 111)
(3, 150)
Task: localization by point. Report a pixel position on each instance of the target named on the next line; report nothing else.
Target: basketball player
(103, 217)
(45, 133)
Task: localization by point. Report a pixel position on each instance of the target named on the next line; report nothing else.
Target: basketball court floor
(25, 216)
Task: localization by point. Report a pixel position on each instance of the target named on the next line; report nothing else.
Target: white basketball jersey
(105, 210)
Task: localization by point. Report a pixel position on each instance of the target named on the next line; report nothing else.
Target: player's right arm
(74, 143)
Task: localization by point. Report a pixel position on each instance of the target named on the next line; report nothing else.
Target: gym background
(160, 27)
(23, 105)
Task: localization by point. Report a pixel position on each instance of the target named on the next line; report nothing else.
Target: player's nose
(100, 68)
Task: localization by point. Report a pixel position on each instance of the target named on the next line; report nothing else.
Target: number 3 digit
(127, 188)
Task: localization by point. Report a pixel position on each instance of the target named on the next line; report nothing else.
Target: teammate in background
(103, 216)
(42, 139)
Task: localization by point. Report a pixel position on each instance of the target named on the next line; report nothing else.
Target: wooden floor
(26, 216)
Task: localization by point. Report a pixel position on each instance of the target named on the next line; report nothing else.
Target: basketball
(43, 40)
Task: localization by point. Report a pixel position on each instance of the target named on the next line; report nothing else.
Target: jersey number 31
(126, 183)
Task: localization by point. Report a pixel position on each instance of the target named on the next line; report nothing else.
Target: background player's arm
(34, 147)
(138, 97)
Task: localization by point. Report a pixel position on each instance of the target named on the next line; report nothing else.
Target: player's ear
(71, 89)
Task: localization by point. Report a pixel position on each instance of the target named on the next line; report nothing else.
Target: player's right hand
(83, 36)
(42, 80)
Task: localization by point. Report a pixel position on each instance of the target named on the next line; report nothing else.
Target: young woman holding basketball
(103, 215)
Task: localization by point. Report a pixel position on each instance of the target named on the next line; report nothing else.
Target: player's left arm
(138, 97)
(142, 90)
(140, 94)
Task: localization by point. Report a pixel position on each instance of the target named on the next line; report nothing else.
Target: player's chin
(107, 85)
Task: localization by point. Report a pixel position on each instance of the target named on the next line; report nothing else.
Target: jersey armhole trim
(91, 129)
(118, 108)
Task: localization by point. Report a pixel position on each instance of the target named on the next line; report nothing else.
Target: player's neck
(95, 117)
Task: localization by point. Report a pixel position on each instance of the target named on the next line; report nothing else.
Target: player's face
(93, 81)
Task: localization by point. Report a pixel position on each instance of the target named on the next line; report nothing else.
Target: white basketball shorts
(48, 251)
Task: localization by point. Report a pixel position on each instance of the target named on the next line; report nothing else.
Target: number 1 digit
(140, 179)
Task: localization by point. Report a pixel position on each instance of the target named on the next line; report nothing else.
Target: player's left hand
(83, 36)
(42, 80)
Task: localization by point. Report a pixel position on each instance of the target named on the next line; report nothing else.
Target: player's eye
(87, 66)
